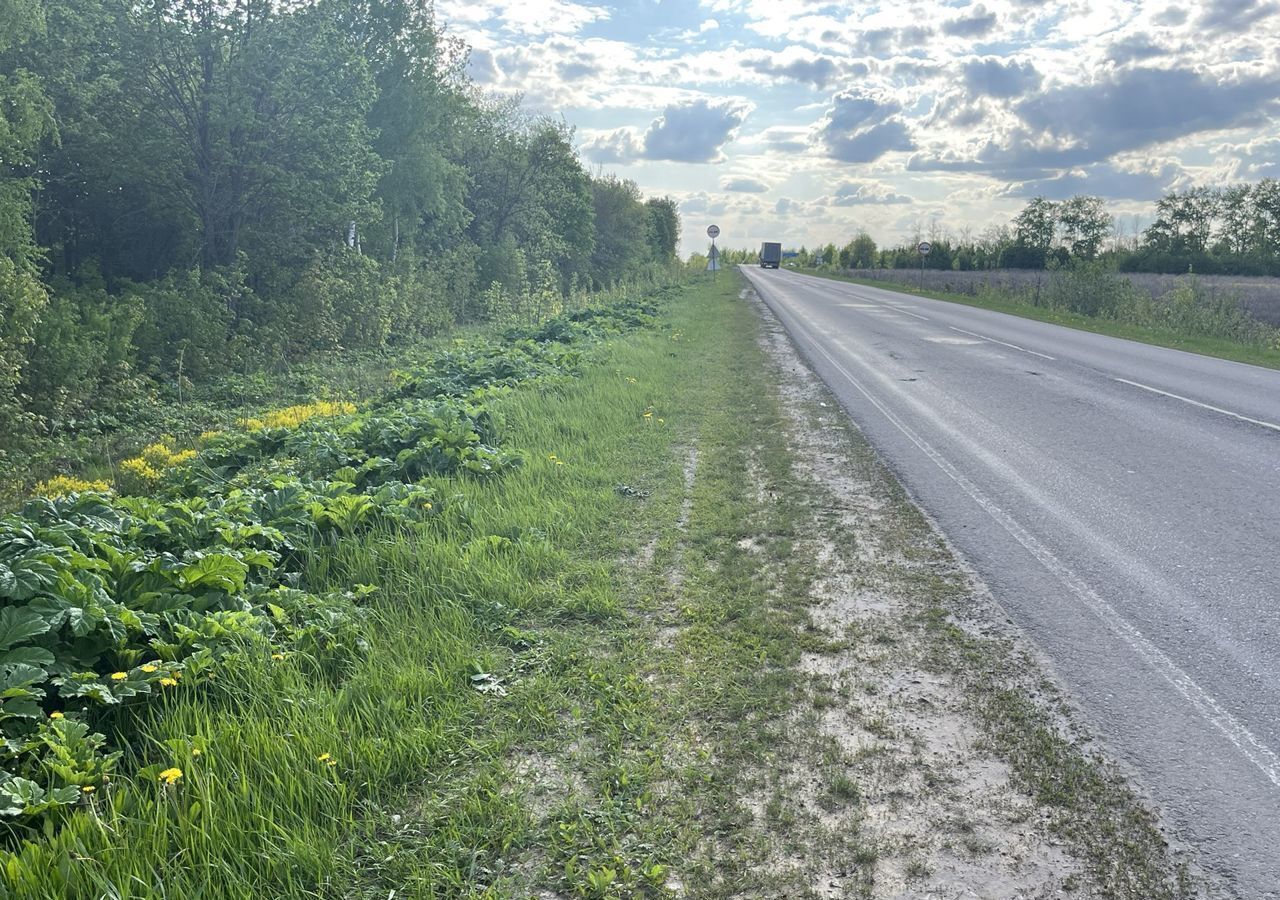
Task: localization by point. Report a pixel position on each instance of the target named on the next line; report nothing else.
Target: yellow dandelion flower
(559, 462)
(56, 715)
(171, 776)
(196, 751)
(277, 656)
(88, 789)
(149, 668)
(168, 682)
(648, 415)
(324, 757)
(119, 676)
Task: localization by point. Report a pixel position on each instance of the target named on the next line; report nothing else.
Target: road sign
(924, 247)
(715, 252)
(713, 264)
(713, 231)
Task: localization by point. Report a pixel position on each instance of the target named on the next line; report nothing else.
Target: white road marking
(1218, 409)
(967, 342)
(1003, 343)
(908, 312)
(1235, 731)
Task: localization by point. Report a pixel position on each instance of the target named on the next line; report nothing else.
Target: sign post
(713, 259)
(923, 249)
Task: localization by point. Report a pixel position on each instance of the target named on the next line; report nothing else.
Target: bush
(86, 355)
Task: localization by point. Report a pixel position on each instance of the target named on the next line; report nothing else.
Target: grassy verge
(607, 674)
(1221, 348)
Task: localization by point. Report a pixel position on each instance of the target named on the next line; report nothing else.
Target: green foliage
(107, 601)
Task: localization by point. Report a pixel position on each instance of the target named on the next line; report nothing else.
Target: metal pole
(921, 271)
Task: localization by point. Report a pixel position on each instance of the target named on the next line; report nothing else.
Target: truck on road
(770, 255)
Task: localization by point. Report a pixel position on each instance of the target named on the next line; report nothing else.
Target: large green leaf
(19, 625)
(216, 570)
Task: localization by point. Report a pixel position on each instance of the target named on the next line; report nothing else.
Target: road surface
(1121, 500)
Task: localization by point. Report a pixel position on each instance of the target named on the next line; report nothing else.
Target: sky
(804, 121)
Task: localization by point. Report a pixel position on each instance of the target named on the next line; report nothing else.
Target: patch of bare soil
(886, 781)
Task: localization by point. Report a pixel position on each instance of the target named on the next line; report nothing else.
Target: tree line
(189, 187)
(1232, 230)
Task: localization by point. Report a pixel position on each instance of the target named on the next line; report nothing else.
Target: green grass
(583, 712)
(1222, 348)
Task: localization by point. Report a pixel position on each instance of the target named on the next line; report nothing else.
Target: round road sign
(713, 231)
(924, 247)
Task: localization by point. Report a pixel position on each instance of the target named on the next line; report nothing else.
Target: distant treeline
(189, 187)
(1212, 231)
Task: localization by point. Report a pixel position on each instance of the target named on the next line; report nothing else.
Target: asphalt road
(1122, 501)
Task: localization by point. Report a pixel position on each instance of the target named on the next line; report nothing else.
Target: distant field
(1260, 297)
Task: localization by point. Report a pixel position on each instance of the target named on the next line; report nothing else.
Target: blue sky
(804, 121)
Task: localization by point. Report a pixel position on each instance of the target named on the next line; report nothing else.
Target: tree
(621, 220)
(863, 251)
(664, 227)
(1035, 226)
(1084, 225)
(252, 120)
(26, 118)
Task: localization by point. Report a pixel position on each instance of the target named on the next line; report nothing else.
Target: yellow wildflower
(141, 468)
(648, 415)
(149, 668)
(168, 682)
(88, 789)
(171, 776)
(277, 656)
(119, 676)
(56, 715)
(61, 485)
(324, 757)
(196, 751)
(293, 416)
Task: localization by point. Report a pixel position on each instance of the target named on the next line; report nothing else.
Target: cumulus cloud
(817, 70)
(1138, 107)
(976, 23)
(1234, 15)
(882, 42)
(852, 193)
(691, 132)
(1252, 161)
(1069, 126)
(743, 185)
(990, 77)
(1103, 180)
(860, 128)
(1137, 47)
(694, 132)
